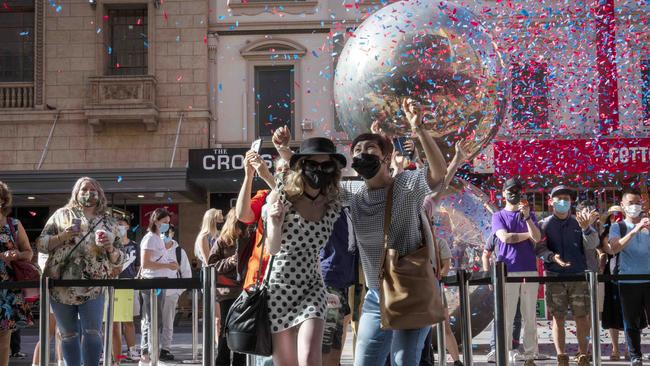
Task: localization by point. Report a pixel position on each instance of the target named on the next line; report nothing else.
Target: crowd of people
(314, 237)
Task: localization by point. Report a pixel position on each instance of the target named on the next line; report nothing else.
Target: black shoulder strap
(179, 255)
(622, 227)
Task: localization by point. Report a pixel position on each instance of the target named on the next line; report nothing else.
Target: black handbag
(248, 326)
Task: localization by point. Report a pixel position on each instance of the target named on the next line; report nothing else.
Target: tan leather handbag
(410, 295)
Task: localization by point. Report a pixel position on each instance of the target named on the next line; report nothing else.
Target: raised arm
(617, 244)
(281, 139)
(243, 207)
(274, 223)
(437, 163)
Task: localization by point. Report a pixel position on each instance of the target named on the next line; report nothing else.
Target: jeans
(85, 319)
(145, 324)
(635, 301)
(374, 345)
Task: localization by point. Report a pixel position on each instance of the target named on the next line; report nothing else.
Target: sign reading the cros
(213, 163)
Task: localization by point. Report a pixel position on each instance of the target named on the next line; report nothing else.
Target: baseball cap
(562, 189)
(512, 183)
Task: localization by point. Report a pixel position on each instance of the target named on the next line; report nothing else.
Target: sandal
(615, 356)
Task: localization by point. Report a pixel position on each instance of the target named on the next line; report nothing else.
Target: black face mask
(367, 165)
(513, 198)
(317, 179)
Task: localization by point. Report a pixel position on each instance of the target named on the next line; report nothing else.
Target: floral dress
(87, 261)
(15, 313)
(297, 291)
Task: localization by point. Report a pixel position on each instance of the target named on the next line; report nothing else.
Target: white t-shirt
(154, 243)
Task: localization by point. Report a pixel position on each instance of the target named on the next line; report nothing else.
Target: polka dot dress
(297, 291)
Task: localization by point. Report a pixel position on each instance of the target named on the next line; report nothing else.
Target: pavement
(480, 346)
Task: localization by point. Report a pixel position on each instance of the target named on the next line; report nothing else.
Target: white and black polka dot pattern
(297, 291)
(367, 211)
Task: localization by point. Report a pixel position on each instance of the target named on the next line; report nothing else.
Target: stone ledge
(239, 7)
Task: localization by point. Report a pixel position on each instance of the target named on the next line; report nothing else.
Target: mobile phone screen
(256, 145)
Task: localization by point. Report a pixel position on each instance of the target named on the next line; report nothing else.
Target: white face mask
(122, 231)
(633, 211)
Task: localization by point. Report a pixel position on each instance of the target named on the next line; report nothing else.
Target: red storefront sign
(147, 210)
(567, 157)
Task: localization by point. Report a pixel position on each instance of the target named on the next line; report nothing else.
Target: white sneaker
(144, 363)
(541, 357)
(492, 356)
(514, 356)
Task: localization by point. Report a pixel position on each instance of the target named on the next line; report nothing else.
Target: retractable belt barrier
(207, 283)
(498, 279)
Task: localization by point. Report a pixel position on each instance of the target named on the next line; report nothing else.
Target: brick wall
(75, 49)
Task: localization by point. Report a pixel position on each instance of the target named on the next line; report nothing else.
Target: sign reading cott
(581, 156)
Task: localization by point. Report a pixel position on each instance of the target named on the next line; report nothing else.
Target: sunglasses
(328, 167)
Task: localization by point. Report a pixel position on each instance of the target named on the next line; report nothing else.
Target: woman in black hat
(301, 214)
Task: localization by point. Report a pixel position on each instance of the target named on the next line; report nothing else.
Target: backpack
(622, 228)
(179, 257)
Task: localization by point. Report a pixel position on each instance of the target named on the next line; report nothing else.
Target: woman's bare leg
(285, 348)
(310, 341)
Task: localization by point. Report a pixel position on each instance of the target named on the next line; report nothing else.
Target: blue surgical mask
(562, 206)
(164, 227)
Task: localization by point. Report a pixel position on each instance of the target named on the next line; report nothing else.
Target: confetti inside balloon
(434, 51)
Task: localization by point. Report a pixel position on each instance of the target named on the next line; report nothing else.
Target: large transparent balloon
(462, 220)
(437, 52)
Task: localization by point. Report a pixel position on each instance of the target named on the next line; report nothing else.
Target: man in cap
(516, 228)
(565, 240)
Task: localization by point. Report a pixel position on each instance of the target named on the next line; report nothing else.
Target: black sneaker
(18, 355)
(165, 355)
(458, 363)
(636, 362)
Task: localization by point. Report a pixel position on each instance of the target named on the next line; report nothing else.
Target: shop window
(17, 41)
(128, 44)
(530, 96)
(274, 98)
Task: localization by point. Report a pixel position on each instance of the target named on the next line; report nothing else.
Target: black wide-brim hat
(318, 146)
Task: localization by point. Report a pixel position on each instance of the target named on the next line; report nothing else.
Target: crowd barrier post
(153, 327)
(499, 287)
(108, 327)
(208, 317)
(595, 319)
(465, 316)
(44, 320)
(440, 333)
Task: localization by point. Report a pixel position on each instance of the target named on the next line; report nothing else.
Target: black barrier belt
(138, 284)
(484, 278)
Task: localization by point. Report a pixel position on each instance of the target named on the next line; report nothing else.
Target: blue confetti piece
(58, 9)
(110, 50)
(119, 179)
(24, 33)
(220, 87)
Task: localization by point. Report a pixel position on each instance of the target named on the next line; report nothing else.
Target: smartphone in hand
(76, 225)
(257, 145)
(400, 147)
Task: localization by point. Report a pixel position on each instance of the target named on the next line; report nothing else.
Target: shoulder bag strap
(388, 216)
(261, 260)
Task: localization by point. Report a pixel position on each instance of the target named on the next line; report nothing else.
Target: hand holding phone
(257, 145)
(76, 225)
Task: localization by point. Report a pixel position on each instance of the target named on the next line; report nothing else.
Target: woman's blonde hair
(231, 230)
(7, 198)
(294, 183)
(101, 207)
(208, 227)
